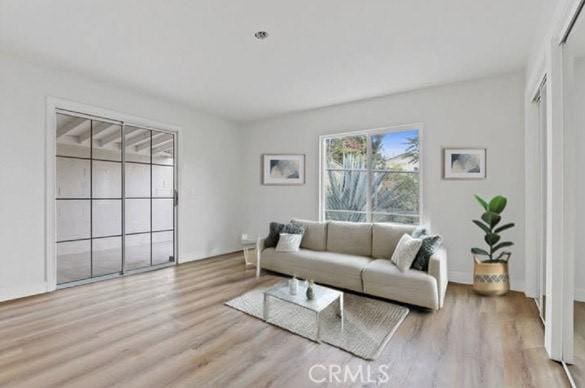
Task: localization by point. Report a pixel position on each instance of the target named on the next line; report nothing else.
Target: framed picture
(283, 169)
(464, 163)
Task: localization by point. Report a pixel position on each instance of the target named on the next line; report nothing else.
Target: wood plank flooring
(170, 328)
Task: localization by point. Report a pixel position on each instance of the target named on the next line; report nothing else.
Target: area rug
(368, 324)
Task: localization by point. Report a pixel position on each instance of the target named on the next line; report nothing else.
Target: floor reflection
(72, 267)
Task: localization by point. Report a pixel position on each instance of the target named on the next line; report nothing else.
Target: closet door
(149, 197)
(88, 198)
(574, 125)
(542, 195)
(163, 198)
(73, 198)
(116, 201)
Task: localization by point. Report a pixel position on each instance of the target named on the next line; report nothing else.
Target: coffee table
(324, 297)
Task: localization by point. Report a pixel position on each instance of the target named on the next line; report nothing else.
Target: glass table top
(324, 296)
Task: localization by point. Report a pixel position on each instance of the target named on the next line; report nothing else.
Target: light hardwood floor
(170, 328)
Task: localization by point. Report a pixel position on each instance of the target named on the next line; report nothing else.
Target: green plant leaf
(502, 245)
(497, 204)
(483, 226)
(482, 202)
(491, 239)
(479, 251)
(491, 218)
(504, 227)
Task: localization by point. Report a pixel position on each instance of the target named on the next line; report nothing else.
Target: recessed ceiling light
(261, 35)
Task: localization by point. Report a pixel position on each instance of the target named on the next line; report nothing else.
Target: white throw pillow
(406, 251)
(289, 242)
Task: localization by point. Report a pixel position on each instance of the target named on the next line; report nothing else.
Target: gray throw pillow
(429, 246)
(277, 228)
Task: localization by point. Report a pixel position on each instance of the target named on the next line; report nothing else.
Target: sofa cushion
(385, 237)
(354, 238)
(384, 279)
(315, 237)
(336, 269)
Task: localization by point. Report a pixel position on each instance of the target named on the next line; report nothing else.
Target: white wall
(209, 149)
(579, 116)
(482, 113)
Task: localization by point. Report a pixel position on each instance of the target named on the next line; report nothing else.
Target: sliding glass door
(149, 197)
(115, 198)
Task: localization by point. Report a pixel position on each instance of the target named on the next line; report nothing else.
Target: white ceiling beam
(157, 139)
(115, 136)
(162, 148)
(69, 126)
(138, 139)
(97, 129)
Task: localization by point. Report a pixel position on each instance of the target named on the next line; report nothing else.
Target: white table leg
(257, 261)
(318, 327)
(265, 309)
(341, 309)
(246, 257)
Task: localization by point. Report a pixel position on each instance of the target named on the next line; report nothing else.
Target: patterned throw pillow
(429, 246)
(405, 252)
(289, 242)
(277, 228)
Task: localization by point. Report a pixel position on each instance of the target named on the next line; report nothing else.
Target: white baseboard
(467, 278)
(580, 294)
(460, 277)
(40, 288)
(22, 291)
(185, 258)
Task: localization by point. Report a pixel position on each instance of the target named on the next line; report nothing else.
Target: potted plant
(490, 273)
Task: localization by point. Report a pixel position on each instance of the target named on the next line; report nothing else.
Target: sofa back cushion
(354, 238)
(315, 237)
(385, 237)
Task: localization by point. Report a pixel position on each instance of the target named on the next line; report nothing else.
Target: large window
(372, 176)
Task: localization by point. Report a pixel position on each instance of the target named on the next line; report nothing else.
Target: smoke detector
(261, 35)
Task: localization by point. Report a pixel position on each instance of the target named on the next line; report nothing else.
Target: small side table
(249, 246)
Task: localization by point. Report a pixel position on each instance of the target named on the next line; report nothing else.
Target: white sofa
(356, 256)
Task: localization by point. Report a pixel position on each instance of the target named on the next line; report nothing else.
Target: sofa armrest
(438, 270)
(259, 249)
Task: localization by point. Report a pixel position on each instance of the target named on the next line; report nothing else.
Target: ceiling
(203, 53)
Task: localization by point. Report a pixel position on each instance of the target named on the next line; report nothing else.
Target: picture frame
(464, 163)
(283, 169)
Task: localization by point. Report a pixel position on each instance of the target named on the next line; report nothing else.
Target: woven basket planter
(491, 279)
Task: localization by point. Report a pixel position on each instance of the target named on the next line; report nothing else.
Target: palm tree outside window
(372, 176)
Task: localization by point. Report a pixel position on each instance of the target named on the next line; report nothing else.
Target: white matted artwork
(464, 163)
(283, 169)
